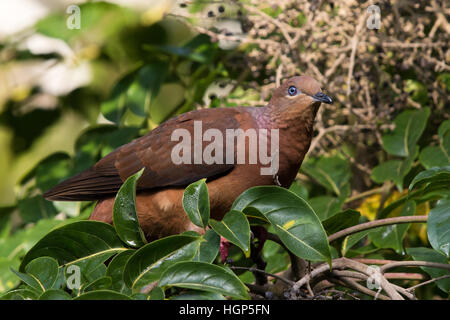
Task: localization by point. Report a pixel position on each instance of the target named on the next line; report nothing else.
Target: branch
(375, 224)
(344, 263)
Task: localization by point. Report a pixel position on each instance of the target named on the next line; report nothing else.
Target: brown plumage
(160, 189)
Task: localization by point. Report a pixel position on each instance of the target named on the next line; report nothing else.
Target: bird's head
(298, 94)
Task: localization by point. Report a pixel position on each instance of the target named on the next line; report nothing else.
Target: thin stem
(428, 282)
(287, 281)
(414, 264)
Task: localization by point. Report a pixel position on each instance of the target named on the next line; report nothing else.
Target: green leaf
(438, 156)
(102, 295)
(433, 175)
(409, 126)
(235, 228)
(36, 208)
(427, 254)
(125, 218)
(276, 257)
(394, 170)
(206, 248)
(44, 269)
(331, 172)
(433, 156)
(392, 236)
(8, 280)
(299, 189)
(78, 243)
(341, 220)
(196, 203)
(352, 240)
(206, 277)
(157, 293)
(30, 280)
(438, 227)
(325, 206)
(145, 87)
(115, 106)
(102, 283)
(98, 141)
(148, 262)
(55, 294)
(116, 269)
(20, 294)
(294, 221)
(198, 295)
(52, 170)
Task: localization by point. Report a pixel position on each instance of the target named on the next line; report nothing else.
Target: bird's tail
(85, 186)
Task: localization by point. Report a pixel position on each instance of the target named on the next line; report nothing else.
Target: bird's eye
(292, 91)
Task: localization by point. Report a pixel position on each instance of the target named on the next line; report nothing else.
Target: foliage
(395, 165)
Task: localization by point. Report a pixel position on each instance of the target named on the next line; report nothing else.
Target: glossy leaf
(196, 203)
(44, 269)
(204, 276)
(102, 283)
(294, 221)
(438, 227)
(148, 262)
(116, 269)
(79, 241)
(206, 247)
(31, 281)
(235, 228)
(125, 217)
(433, 175)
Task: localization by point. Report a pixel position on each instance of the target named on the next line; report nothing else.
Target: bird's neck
(295, 133)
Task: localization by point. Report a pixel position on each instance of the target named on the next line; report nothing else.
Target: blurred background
(80, 78)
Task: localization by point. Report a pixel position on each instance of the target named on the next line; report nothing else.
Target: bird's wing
(153, 151)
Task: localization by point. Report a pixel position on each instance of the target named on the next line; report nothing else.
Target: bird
(290, 113)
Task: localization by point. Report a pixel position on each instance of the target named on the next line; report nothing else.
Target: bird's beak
(322, 97)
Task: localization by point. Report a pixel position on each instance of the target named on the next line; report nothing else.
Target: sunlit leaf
(293, 219)
(125, 217)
